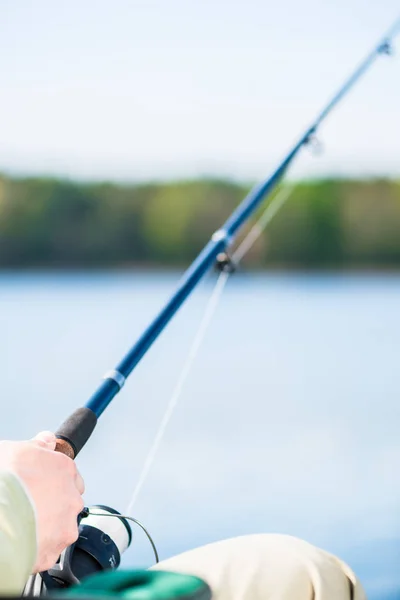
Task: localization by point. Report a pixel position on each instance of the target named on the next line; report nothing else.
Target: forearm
(17, 535)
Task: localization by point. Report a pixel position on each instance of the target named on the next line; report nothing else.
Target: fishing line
(271, 210)
(78, 428)
(118, 516)
(273, 207)
(197, 341)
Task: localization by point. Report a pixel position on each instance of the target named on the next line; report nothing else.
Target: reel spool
(103, 538)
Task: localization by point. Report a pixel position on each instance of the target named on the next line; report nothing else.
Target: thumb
(46, 439)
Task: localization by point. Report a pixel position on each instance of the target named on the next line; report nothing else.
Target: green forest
(327, 223)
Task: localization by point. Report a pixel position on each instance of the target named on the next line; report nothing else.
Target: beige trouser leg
(268, 567)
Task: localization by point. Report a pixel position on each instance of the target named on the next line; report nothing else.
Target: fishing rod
(77, 429)
(104, 533)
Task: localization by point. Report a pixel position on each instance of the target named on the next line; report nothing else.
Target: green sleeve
(17, 535)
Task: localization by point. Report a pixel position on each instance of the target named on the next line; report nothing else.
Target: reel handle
(75, 431)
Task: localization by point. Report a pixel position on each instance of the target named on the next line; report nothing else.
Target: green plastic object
(140, 585)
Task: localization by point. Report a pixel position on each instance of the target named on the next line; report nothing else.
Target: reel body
(103, 537)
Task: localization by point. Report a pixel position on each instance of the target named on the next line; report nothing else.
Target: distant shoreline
(325, 225)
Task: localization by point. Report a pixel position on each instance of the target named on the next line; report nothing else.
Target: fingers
(69, 466)
(80, 484)
(56, 489)
(67, 535)
(45, 439)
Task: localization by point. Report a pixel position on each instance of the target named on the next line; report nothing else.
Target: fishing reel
(104, 535)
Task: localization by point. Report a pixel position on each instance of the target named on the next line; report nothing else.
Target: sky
(158, 89)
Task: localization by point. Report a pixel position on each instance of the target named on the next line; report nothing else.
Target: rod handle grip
(75, 431)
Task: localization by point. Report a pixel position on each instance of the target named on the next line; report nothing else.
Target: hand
(55, 487)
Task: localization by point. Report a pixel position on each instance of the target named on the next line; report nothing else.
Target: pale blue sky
(162, 88)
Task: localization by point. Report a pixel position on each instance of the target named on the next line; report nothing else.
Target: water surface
(288, 423)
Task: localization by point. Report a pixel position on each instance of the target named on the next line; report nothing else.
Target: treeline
(63, 224)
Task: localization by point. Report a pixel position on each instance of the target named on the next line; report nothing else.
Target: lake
(288, 423)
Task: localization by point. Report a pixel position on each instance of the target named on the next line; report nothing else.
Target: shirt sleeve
(18, 546)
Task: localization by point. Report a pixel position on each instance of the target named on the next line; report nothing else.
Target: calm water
(289, 422)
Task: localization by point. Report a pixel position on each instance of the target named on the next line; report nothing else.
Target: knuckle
(72, 469)
(67, 535)
(66, 463)
(78, 504)
(51, 559)
(60, 458)
(71, 535)
(80, 484)
(40, 444)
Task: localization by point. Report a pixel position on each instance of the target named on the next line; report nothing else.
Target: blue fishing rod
(77, 429)
(104, 534)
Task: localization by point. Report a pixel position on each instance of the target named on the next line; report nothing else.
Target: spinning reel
(104, 535)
